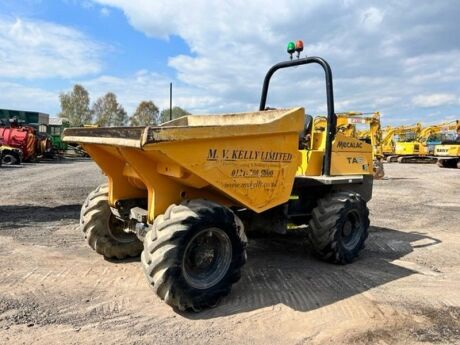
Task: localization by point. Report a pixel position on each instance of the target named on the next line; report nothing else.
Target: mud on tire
(339, 227)
(194, 254)
(103, 232)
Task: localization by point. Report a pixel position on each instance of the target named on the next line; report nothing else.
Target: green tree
(176, 112)
(75, 106)
(98, 109)
(121, 117)
(146, 114)
(109, 112)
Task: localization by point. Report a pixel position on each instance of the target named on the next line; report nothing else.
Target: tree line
(107, 112)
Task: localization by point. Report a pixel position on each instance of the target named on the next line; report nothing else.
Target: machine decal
(249, 155)
(349, 145)
(355, 160)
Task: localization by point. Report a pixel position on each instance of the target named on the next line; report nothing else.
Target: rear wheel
(103, 231)
(9, 159)
(339, 227)
(194, 254)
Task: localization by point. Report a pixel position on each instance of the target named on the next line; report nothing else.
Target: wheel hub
(351, 230)
(8, 160)
(207, 258)
(116, 231)
(347, 229)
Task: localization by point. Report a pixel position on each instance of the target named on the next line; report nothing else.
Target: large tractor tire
(103, 231)
(339, 227)
(194, 254)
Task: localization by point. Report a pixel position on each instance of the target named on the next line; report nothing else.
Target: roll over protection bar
(331, 117)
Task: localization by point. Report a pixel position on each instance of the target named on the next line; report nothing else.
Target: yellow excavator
(393, 135)
(418, 150)
(347, 123)
(372, 136)
(448, 152)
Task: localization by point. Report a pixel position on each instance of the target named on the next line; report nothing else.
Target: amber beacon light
(295, 47)
(298, 47)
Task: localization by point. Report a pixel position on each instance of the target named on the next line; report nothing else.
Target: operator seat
(304, 139)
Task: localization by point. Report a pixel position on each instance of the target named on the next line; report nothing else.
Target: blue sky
(398, 57)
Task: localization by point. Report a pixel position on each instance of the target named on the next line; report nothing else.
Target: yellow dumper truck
(183, 195)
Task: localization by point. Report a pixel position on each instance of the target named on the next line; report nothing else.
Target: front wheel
(103, 231)
(194, 254)
(339, 227)
(9, 159)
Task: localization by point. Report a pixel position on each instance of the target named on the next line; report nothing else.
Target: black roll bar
(331, 117)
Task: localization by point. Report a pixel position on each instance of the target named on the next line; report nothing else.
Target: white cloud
(18, 96)
(143, 85)
(435, 100)
(36, 49)
(434, 68)
(396, 57)
(105, 12)
(371, 18)
(382, 53)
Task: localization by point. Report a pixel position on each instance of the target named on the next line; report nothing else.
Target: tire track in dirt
(393, 292)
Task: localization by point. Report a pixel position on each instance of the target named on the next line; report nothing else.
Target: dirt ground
(404, 288)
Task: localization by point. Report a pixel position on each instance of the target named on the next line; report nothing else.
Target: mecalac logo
(349, 145)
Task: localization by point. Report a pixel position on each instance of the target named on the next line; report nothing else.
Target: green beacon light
(291, 48)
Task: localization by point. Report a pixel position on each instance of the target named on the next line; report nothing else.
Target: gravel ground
(404, 288)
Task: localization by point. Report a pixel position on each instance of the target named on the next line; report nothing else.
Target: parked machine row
(437, 143)
(24, 141)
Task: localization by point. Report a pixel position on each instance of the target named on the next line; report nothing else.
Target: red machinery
(21, 137)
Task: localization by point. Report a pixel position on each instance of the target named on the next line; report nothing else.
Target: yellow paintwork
(410, 148)
(389, 133)
(311, 162)
(346, 125)
(350, 156)
(447, 150)
(236, 159)
(419, 147)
